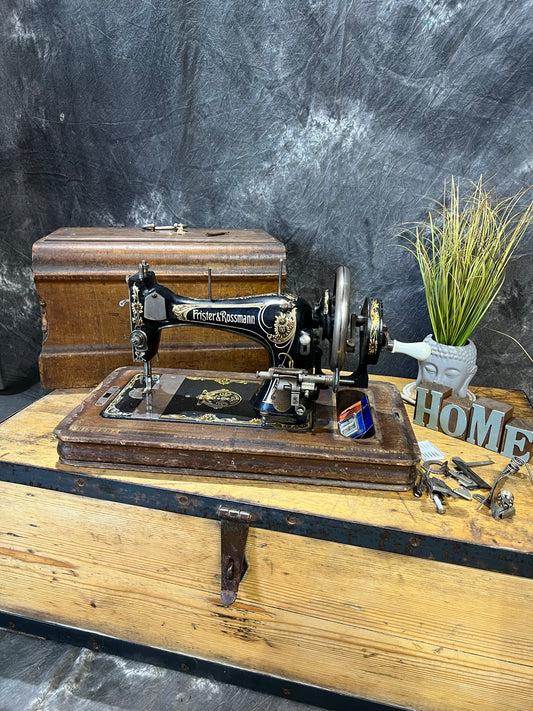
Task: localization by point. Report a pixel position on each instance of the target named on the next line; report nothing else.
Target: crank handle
(419, 350)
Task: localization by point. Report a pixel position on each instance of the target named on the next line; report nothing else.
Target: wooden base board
(385, 461)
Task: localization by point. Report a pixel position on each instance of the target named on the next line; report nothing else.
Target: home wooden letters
(485, 422)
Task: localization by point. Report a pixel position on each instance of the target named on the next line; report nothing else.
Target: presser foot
(284, 399)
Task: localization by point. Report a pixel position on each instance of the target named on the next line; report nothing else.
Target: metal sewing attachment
(466, 476)
(437, 489)
(504, 501)
(500, 501)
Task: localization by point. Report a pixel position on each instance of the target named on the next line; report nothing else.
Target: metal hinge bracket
(234, 525)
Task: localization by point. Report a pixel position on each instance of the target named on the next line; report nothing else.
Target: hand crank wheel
(341, 319)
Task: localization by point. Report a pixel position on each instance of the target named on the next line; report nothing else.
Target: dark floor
(18, 396)
(41, 675)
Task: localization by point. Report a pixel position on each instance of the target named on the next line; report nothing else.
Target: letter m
(485, 431)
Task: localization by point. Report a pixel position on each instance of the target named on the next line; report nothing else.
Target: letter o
(461, 420)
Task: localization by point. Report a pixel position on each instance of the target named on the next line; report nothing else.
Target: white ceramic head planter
(451, 366)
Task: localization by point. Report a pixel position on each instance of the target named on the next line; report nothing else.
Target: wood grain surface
(397, 509)
(387, 627)
(80, 274)
(321, 455)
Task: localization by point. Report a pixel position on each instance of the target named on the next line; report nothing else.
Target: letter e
(518, 439)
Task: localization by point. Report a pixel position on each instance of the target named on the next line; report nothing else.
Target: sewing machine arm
(288, 327)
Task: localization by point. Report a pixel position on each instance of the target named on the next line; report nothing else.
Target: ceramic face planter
(452, 366)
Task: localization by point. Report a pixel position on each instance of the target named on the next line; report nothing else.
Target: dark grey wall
(321, 121)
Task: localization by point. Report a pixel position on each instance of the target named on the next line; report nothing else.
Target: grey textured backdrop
(324, 122)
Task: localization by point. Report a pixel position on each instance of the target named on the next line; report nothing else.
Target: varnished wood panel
(386, 460)
(80, 276)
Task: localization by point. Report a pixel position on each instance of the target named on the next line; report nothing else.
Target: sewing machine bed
(93, 435)
(179, 397)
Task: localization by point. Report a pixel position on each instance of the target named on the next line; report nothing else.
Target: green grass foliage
(463, 248)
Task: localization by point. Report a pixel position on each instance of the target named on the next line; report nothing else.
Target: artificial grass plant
(463, 248)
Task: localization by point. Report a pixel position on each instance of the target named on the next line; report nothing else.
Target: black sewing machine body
(293, 422)
(281, 323)
(289, 328)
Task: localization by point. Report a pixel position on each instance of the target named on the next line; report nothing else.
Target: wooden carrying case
(80, 277)
(351, 599)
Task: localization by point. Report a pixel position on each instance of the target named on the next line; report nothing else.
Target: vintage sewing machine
(281, 423)
(288, 327)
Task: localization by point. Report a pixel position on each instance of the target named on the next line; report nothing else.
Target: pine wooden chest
(368, 598)
(80, 276)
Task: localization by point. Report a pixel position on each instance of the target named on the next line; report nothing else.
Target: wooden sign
(485, 423)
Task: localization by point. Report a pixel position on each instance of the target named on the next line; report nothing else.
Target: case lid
(76, 252)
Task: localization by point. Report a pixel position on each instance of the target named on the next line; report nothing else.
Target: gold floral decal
(180, 311)
(136, 307)
(220, 381)
(284, 327)
(374, 328)
(218, 399)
